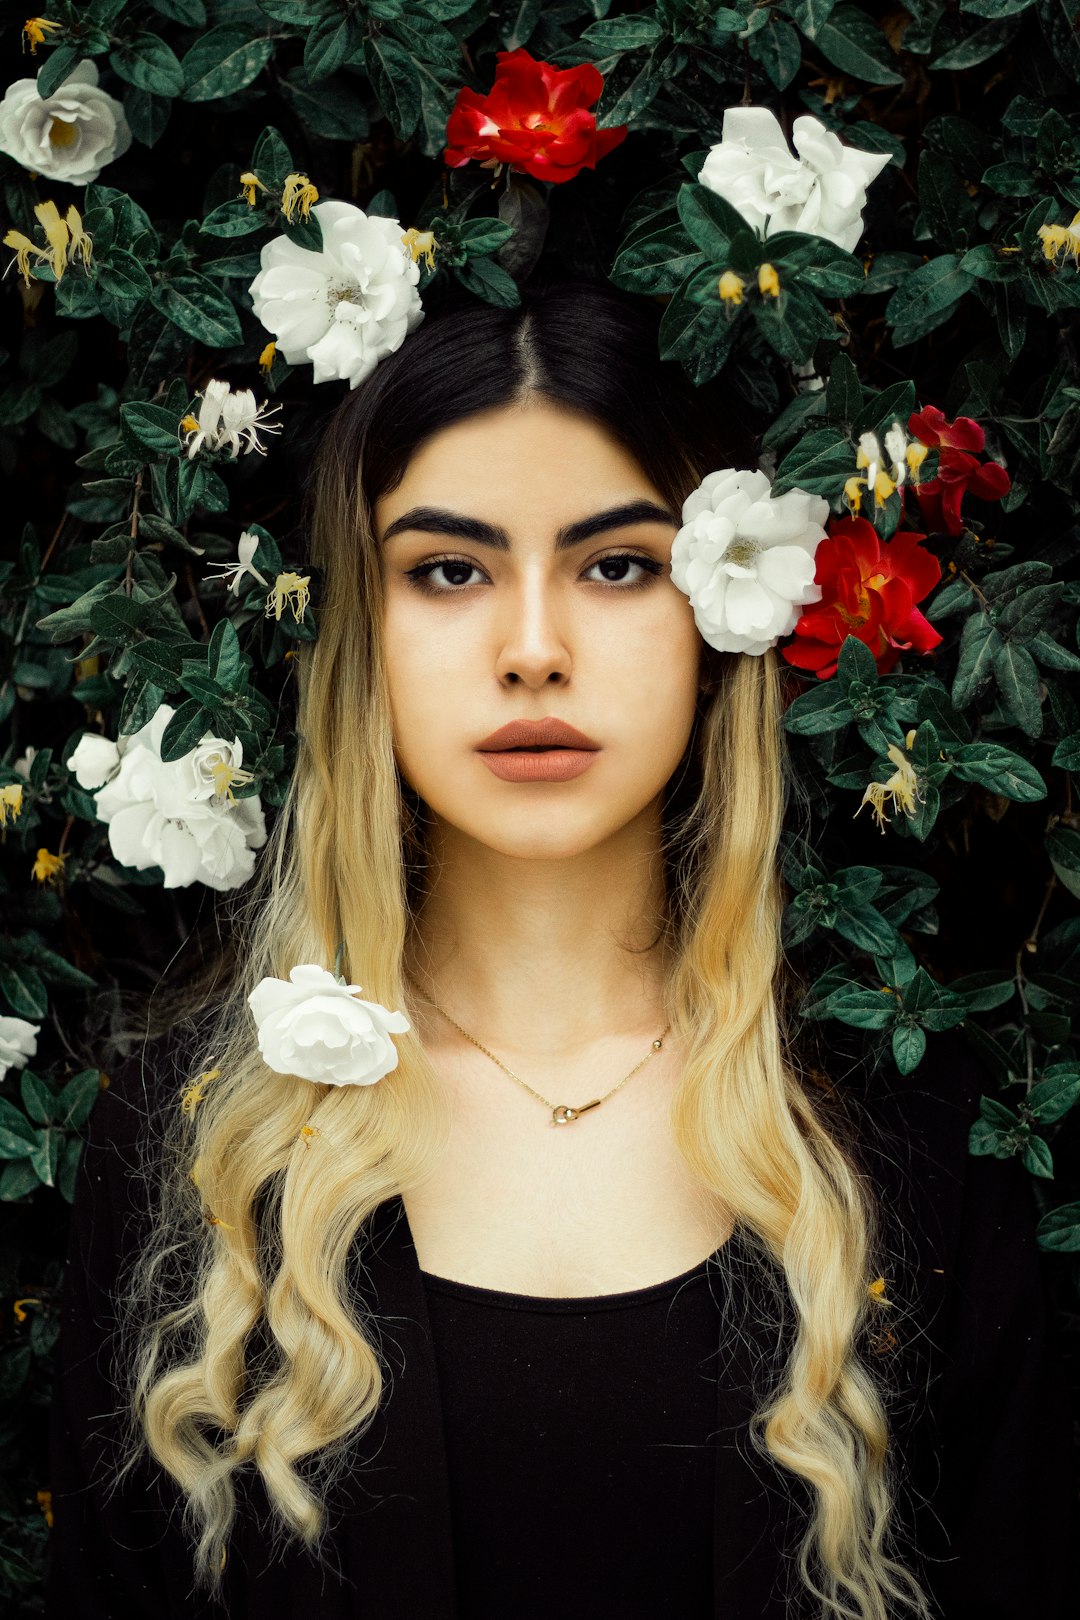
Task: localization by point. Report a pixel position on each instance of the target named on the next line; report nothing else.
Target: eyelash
(419, 574)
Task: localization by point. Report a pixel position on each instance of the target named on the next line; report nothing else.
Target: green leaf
(223, 61)
(272, 161)
(394, 80)
(983, 43)
(489, 281)
(1018, 682)
(197, 307)
(1055, 1094)
(122, 275)
(819, 463)
(931, 289)
(37, 1099)
(893, 404)
(613, 34)
(1000, 770)
(812, 15)
(24, 990)
(328, 46)
(150, 427)
(1059, 1230)
(148, 64)
(656, 264)
(794, 323)
(185, 730)
(225, 660)
(190, 13)
(947, 208)
(778, 49)
(843, 391)
(147, 115)
(709, 219)
(334, 108)
(61, 63)
(854, 44)
(234, 218)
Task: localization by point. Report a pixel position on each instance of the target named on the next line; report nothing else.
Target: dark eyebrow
(434, 520)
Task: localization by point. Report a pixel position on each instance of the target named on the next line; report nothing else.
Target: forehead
(516, 453)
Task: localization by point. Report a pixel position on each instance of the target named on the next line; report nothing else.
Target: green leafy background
(965, 913)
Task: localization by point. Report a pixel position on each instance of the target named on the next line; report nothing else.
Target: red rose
(868, 589)
(958, 473)
(535, 118)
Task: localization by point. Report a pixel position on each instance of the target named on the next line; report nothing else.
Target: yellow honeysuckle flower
(57, 233)
(915, 455)
(768, 281)
(902, 786)
(34, 30)
(81, 241)
(10, 800)
(20, 1314)
(876, 1290)
(47, 866)
(215, 1220)
(421, 242)
(1062, 239)
(297, 196)
(883, 488)
(23, 249)
(853, 493)
(730, 287)
(307, 1132)
(266, 359)
(44, 1502)
(225, 775)
(289, 587)
(249, 182)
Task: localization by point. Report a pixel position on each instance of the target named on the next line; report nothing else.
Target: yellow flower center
(62, 132)
(730, 287)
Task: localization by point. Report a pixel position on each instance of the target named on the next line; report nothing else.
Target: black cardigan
(980, 1416)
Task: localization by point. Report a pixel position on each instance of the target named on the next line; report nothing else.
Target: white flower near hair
(227, 419)
(70, 135)
(246, 547)
(315, 1026)
(822, 191)
(18, 1042)
(745, 558)
(178, 814)
(349, 305)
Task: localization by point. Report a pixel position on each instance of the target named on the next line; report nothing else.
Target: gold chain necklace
(561, 1113)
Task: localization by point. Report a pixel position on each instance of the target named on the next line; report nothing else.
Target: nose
(532, 636)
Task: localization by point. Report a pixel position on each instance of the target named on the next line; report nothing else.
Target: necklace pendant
(564, 1115)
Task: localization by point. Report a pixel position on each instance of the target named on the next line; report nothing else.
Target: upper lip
(535, 734)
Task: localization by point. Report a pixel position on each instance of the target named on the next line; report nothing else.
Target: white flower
(745, 558)
(225, 418)
(346, 307)
(94, 759)
(247, 546)
(21, 766)
(896, 445)
(317, 1028)
(181, 814)
(822, 191)
(70, 135)
(18, 1041)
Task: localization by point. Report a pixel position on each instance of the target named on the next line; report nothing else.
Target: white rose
(18, 1041)
(346, 307)
(93, 759)
(171, 813)
(745, 558)
(70, 135)
(318, 1029)
(821, 192)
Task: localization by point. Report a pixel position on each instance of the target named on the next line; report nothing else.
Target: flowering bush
(863, 226)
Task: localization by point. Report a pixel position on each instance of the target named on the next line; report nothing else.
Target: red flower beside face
(535, 118)
(958, 473)
(869, 588)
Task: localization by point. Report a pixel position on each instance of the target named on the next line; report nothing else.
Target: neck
(543, 957)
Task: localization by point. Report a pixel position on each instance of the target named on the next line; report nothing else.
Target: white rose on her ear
(70, 135)
(317, 1028)
(745, 558)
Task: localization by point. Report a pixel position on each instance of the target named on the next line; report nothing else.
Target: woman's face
(489, 618)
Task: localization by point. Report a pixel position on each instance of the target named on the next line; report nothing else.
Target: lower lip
(556, 765)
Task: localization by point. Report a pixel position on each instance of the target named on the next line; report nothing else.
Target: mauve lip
(535, 734)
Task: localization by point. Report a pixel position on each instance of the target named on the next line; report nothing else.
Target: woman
(596, 1303)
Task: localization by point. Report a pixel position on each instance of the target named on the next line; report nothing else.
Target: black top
(981, 1414)
(580, 1435)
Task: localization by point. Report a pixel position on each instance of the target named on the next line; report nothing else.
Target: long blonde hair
(256, 1218)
